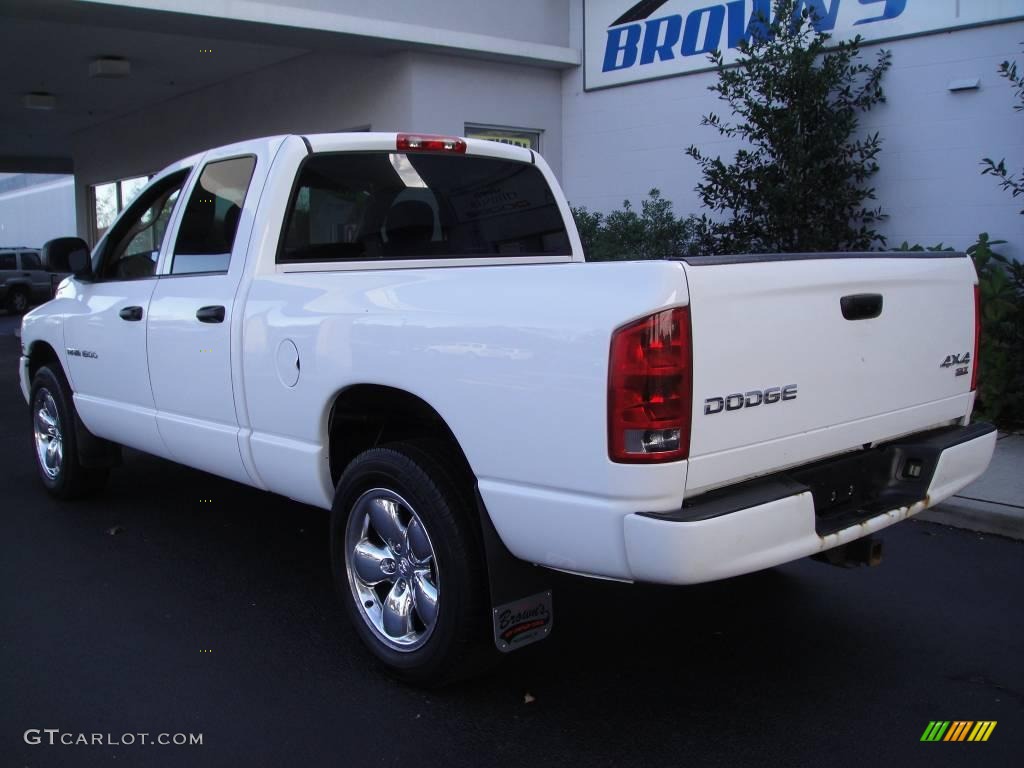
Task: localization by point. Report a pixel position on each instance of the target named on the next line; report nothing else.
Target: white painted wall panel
(611, 144)
(620, 142)
(321, 93)
(539, 21)
(33, 215)
(309, 94)
(448, 92)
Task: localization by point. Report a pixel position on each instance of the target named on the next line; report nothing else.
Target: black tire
(71, 480)
(17, 301)
(427, 476)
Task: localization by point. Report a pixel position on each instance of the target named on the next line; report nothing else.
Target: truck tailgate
(783, 373)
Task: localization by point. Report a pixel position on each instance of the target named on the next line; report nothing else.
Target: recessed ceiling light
(110, 66)
(39, 100)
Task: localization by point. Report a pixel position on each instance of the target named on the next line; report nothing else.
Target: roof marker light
(428, 142)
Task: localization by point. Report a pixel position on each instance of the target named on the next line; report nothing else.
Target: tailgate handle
(861, 306)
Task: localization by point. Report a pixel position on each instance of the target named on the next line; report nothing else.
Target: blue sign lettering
(673, 26)
(713, 36)
(893, 8)
(616, 45)
(739, 28)
(657, 40)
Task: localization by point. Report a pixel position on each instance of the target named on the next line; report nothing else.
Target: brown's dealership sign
(628, 41)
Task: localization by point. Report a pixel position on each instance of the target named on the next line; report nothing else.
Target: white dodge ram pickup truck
(402, 329)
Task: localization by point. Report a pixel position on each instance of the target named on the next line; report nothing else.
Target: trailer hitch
(866, 551)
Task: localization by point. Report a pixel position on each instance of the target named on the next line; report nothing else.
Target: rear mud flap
(522, 611)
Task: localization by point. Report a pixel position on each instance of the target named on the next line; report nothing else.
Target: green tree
(1008, 181)
(653, 233)
(590, 226)
(800, 181)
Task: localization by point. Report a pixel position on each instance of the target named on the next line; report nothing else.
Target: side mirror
(68, 254)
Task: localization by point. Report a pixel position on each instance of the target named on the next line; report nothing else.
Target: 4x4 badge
(962, 359)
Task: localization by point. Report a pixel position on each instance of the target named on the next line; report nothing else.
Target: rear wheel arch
(363, 416)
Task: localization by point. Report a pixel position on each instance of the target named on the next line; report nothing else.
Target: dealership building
(609, 91)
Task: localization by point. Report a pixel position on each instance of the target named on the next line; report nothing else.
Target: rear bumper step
(810, 509)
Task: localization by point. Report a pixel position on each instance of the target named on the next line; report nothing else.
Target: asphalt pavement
(178, 602)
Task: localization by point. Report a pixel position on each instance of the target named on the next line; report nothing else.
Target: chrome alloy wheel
(392, 570)
(47, 428)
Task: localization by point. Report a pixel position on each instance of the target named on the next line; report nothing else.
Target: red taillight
(650, 386)
(977, 337)
(428, 142)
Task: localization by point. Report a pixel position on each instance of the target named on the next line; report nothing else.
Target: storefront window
(105, 207)
(130, 188)
(515, 136)
(110, 199)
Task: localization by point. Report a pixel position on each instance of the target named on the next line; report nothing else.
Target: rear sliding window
(357, 206)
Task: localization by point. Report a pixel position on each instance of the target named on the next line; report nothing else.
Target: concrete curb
(980, 516)
(994, 503)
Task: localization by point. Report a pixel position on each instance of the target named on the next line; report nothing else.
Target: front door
(192, 314)
(105, 333)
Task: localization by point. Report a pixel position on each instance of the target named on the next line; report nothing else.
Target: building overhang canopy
(49, 91)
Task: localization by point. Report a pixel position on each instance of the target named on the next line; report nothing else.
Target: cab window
(133, 244)
(210, 222)
(355, 206)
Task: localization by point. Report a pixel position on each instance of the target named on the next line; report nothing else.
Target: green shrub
(801, 182)
(917, 248)
(1001, 375)
(653, 233)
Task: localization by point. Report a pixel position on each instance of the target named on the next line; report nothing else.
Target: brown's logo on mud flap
(523, 622)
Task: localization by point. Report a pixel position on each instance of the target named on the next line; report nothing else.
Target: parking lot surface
(178, 602)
